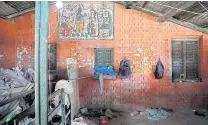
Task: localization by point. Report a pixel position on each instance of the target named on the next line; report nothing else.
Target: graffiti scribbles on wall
(86, 20)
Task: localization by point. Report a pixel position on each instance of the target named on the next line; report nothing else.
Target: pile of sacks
(13, 81)
(15, 77)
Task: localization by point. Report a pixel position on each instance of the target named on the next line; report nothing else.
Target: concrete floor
(185, 117)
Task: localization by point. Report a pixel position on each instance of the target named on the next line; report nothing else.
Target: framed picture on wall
(86, 21)
(52, 65)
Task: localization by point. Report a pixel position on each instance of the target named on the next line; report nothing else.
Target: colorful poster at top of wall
(86, 21)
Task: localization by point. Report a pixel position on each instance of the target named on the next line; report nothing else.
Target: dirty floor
(185, 117)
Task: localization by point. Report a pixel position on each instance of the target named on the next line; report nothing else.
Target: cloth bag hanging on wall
(159, 71)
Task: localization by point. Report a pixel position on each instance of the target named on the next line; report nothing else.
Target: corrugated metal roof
(160, 6)
(21, 5)
(184, 16)
(192, 14)
(200, 20)
(8, 8)
(198, 17)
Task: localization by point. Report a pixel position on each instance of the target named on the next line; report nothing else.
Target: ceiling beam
(189, 25)
(20, 13)
(173, 11)
(128, 5)
(12, 6)
(198, 17)
(144, 4)
(204, 25)
(24, 12)
(146, 11)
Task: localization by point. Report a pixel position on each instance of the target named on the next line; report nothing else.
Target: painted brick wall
(7, 44)
(17, 42)
(139, 37)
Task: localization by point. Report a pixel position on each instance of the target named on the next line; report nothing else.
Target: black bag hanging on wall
(159, 71)
(125, 69)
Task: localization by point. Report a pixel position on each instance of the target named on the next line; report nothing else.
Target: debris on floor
(95, 116)
(144, 114)
(84, 111)
(90, 122)
(157, 113)
(103, 120)
(79, 121)
(201, 112)
(134, 113)
(178, 117)
(111, 114)
(153, 113)
(82, 121)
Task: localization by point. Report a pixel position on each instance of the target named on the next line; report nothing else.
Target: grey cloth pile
(15, 77)
(157, 113)
(12, 82)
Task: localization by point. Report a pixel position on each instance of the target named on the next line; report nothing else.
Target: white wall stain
(140, 50)
(144, 61)
(136, 54)
(1, 57)
(20, 52)
(88, 61)
(152, 48)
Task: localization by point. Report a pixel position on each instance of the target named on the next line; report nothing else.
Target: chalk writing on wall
(143, 60)
(2, 56)
(86, 20)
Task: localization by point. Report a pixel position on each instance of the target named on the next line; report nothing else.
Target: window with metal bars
(185, 60)
(103, 56)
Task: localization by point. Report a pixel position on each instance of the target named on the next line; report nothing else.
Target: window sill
(96, 77)
(188, 82)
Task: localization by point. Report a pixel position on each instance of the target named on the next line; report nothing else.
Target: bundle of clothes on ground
(13, 82)
(94, 116)
(154, 113)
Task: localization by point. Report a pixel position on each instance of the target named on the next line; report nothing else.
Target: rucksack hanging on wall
(159, 71)
(125, 69)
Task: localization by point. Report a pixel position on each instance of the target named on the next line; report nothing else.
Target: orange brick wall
(133, 30)
(7, 44)
(17, 41)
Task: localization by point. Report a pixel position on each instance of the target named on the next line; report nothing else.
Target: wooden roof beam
(204, 25)
(12, 6)
(198, 17)
(173, 11)
(185, 24)
(144, 4)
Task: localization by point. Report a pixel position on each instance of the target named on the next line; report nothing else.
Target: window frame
(184, 60)
(112, 49)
